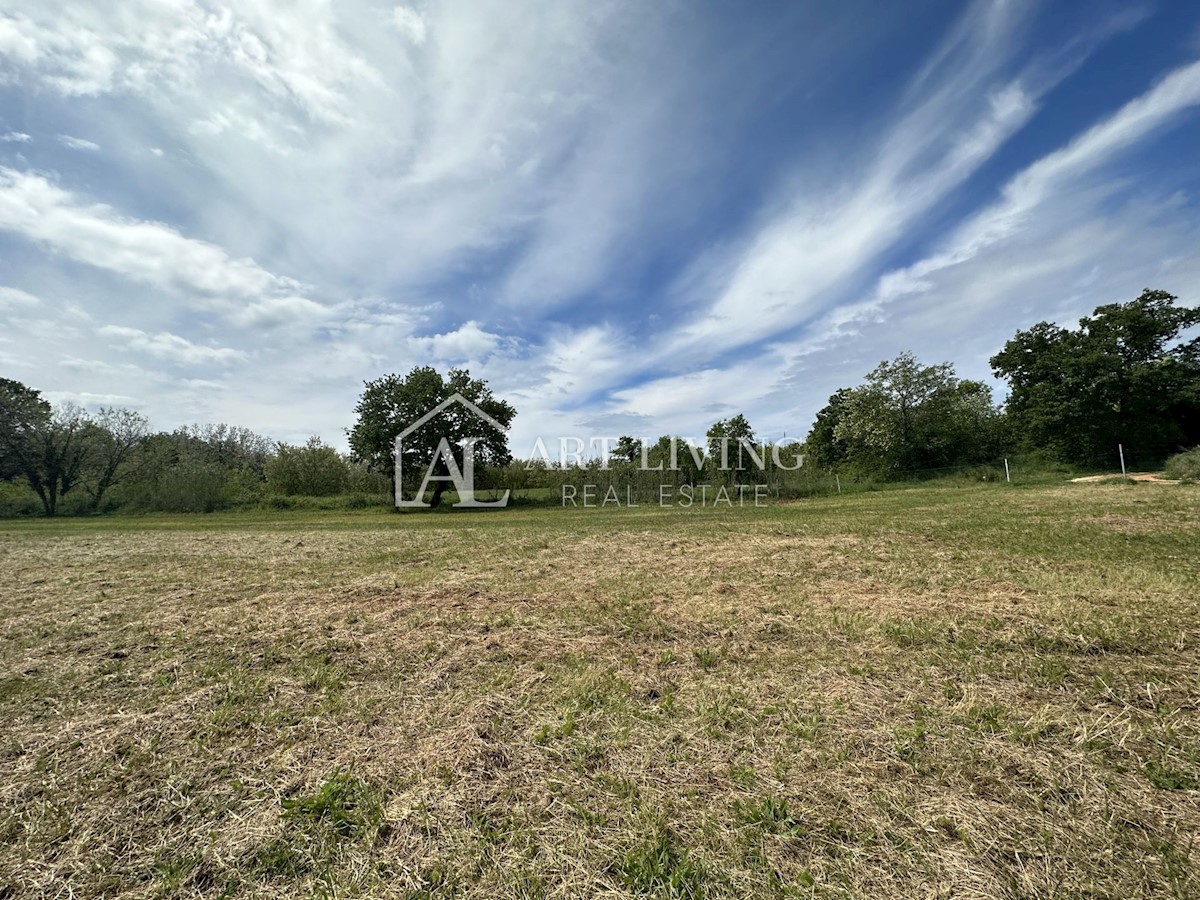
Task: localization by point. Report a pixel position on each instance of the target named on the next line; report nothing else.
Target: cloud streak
(150, 252)
(170, 347)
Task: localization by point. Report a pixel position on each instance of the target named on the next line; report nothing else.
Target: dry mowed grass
(984, 692)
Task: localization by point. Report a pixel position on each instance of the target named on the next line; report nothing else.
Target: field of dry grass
(973, 692)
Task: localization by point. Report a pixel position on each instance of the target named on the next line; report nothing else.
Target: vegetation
(392, 404)
(1184, 466)
(1124, 376)
(985, 691)
(1127, 376)
(66, 460)
(314, 470)
(908, 418)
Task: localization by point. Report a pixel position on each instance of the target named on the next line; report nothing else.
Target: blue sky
(628, 217)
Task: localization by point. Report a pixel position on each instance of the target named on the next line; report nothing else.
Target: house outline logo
(464, 478)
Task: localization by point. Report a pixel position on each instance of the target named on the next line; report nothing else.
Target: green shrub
(1184, 466)
(314, 470)
(17, 499)
(188, 487)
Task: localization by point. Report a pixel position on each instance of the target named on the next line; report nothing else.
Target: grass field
(972, 692)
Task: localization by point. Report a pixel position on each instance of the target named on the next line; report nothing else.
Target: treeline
(731, 458)
(65, 460)
(1127, 375)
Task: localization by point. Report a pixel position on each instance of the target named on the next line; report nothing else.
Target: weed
(660, 866)
(344, 803)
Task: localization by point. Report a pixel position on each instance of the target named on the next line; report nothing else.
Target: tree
(823, 442)
(390, 404)
(114, 438)
(913, 418)
(314, 470)
(199, 468)
(628, 448)
(676, 458)
(727, 440)
(22, 413)
(1123, 376)
(232, 447)
(58, 451)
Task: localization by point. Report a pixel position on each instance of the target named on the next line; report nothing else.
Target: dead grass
(970, 693)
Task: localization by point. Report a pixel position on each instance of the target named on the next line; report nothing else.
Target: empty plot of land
(941, 692)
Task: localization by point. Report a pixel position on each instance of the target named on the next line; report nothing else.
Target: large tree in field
(391, 404)
(1124, 376)
(908, 418)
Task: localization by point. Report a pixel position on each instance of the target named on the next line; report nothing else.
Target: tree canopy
(22, 413)
(907, 418)
(391, 404)
(1123, 376)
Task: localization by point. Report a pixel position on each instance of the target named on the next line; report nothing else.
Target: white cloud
(804, 260)
(465, 343)
(14, 298)
(16, 137)
(100, 367)
(157, 47)
(410, 23)
(149, 252)
(1045, 180)
(78, 143)
(171, 347)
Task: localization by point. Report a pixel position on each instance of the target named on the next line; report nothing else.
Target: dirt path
(1152, 477)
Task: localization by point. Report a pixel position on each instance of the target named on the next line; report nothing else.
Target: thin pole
(1121, 450)
(839, 483)
(1007, 477)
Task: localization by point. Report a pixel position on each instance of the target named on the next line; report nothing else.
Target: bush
(1184, 466)
(190, 487)
(17, 499)
(314, 470)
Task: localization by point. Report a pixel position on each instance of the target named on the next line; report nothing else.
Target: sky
(628, 217)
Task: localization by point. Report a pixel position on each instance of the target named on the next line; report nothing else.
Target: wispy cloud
(150, 252)
(1043, 182)
(75, 143)
(170, 347)
(14, 298)
(960, 109)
